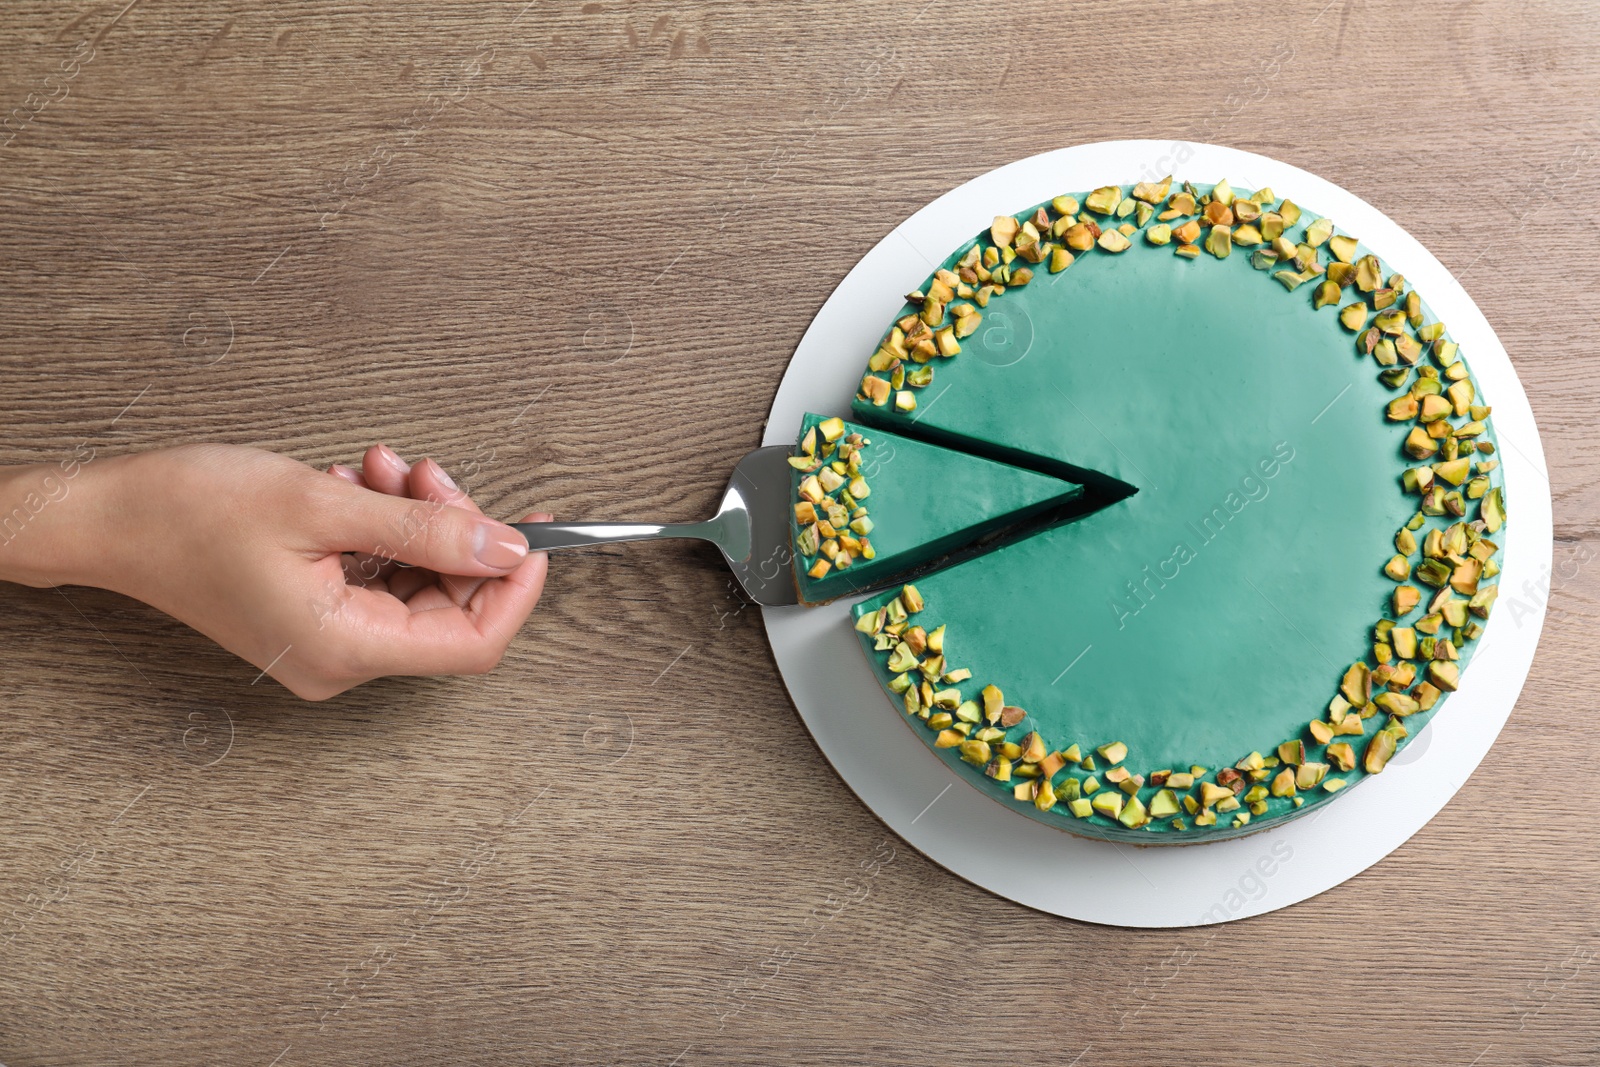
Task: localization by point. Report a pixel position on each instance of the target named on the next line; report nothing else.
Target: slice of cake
(1308, 555)
(870, 504)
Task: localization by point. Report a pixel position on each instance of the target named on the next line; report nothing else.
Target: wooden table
(567, 249)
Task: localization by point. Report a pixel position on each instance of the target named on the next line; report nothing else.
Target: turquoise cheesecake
(871, 505)
(1298, 511)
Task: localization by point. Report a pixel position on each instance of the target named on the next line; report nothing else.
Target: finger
(349, 474)
(385, 637)
(369, 572)
(429, 481)
(439, 537)
(407, 582)
(386, 472)
(501, 606)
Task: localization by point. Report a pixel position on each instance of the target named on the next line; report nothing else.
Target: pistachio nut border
(831, 518)
(1411, 665)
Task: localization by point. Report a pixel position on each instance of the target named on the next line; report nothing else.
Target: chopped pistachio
(1081, 237)
(1033, 748)
(1133, 814)
(1342, 756)
(1219, 242)
(1113, 241)
(1003, 230)
(1353, 316)
(1368, 275)
(1379, 750)
(993, 702)
(1104, 200)
(1357, 684)
(1444, 674)
(1159, 234)
(1349, 726)
(1493, 510)
(902, 658)
(1164, 804)
(1115, 752)
(1108, 803)
(1342, 246)
(1419, 445)
(1397, 704)
(976, 752)
(1153, 192)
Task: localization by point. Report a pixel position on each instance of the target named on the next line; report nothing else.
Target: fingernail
(438, 472)
(494, 548)
(392, 458)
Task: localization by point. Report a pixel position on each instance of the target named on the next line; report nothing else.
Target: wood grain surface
(567, 249)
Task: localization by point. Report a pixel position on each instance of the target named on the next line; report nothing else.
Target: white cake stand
(978, 839)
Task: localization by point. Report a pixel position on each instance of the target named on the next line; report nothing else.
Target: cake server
(751, 527)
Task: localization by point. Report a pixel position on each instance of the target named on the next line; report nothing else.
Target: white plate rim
(970, 834)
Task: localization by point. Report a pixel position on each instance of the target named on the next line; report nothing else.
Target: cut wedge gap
(871, 506)
(1103, 487)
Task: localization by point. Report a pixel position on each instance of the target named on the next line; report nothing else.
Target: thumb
(426, 533)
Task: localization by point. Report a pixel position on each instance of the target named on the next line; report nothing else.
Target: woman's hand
(324, 580)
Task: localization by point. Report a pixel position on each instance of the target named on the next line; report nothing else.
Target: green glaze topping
(1442, 562)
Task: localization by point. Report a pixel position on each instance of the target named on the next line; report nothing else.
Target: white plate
(896, 775)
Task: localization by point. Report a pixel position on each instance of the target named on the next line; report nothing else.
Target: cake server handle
(547, 536)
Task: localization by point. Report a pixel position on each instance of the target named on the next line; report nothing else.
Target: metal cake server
(751, 528)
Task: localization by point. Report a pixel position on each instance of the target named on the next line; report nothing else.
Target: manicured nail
(392, 458)
(499, 546)
(444, 479)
